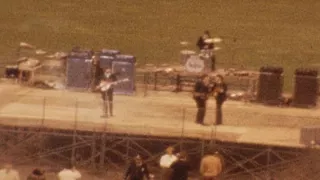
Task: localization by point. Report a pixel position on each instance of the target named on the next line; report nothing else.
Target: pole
(155, 80)
(213, 138)
(43, 111)
(146, 83)
(202, 147)
(178, 83)
(93, 151)
(183, 126)
(127, 150)
(103, 146)
(74, 133)
(103, 150)
(268, 162)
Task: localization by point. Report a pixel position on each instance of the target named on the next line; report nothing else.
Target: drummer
(204, 42)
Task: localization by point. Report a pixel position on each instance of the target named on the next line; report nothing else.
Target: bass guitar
(105, 86)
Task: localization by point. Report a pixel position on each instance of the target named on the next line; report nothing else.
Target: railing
(161, 81)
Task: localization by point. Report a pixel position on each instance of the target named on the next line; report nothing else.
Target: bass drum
(194, 64)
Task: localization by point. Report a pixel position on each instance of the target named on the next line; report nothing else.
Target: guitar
(105, 86)
(217, 90)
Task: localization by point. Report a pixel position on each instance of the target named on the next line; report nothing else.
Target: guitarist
(200, 95)
(220, 92)
(107, 96)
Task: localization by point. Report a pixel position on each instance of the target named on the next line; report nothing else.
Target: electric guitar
(105, 86)
(217, 90)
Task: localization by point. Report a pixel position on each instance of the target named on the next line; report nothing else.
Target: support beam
(103, 151)
(93, 151)
(74, 139)
(127, 151)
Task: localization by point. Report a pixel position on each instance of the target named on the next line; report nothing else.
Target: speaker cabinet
(270, 85)
(306, 88)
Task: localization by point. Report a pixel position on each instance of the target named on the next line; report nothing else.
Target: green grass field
(257, 33)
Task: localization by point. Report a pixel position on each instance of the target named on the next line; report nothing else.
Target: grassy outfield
(257, 33)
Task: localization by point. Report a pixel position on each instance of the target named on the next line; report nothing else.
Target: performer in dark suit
(202, 44)
(200, 95)
(107, 94)
(220, 92)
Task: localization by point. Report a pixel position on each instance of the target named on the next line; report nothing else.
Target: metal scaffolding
(101, 151)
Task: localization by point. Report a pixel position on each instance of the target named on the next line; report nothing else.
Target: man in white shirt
(7, 173)
(165, 162)
(69, 174)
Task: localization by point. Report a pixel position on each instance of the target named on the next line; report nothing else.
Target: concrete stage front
(163, 114)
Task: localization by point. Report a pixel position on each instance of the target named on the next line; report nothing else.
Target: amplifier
(310, 135)
(12, 71)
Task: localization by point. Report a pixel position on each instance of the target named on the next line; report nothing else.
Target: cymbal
(213, 40)
(184, 43)
(217, 48)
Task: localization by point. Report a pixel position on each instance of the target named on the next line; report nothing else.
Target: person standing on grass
(165, 162)
(71, 173)
(37, 174)
(8, 173)
(180, 168)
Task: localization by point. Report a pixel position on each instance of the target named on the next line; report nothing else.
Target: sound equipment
(270, 85)
(124, 67)
(109, 52)
(79, 70)
(310, 135)
(306, 88)
(12, 71)
(105, 61)
(106, 57)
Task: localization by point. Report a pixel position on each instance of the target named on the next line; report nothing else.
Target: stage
(159, 114)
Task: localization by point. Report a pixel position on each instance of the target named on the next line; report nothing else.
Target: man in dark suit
(137, 170)
(220, 92)
(200, 95)
(106, 89)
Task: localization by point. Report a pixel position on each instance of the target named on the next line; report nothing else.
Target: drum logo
(194, 64)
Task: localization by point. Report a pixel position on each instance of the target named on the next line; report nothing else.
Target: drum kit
(187, 55)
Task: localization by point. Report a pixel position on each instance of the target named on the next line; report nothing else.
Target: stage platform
(159, 114)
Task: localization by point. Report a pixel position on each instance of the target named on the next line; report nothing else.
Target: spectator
(37, 174)
(180, 168)
(137, 170)
(211, 165)
(69, 174)
(8, 173)
(165, 162)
